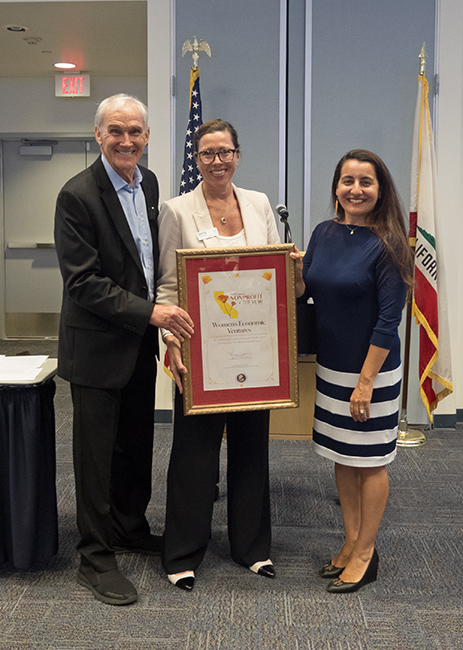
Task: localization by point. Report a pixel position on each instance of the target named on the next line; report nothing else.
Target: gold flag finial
(195, 48)
(423, 58)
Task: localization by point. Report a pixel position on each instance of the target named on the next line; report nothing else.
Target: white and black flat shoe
(184, 580)
(265, 569)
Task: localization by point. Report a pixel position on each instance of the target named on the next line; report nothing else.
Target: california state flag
(430, 300)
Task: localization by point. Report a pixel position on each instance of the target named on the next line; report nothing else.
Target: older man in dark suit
(106, 240)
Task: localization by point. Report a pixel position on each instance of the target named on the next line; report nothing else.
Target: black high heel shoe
(330, 571)
(338, 586)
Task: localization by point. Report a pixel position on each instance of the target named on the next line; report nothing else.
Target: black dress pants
(191, 482)
(113, 449)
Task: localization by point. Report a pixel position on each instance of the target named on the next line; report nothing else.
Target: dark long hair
(387, 219)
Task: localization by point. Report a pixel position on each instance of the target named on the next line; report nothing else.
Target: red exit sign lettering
(72, 85)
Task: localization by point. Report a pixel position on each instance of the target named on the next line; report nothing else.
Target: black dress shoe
(110, 587)
(330, 571)
(263, 569)
(151, 545)
(338, 586)
(186, 583)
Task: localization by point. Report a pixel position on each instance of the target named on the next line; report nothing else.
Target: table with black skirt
(28, 508)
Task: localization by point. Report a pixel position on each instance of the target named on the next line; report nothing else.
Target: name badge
(207, 234)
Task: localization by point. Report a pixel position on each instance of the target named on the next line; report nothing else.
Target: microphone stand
(288, 235)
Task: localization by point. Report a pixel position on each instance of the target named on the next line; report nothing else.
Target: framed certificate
(243, 354)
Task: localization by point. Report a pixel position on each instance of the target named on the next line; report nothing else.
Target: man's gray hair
(115, 102)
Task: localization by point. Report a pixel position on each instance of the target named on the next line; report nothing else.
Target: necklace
(351, 228)
(220, 206)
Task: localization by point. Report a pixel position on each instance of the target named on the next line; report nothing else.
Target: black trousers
(191, 482)
(113, 449)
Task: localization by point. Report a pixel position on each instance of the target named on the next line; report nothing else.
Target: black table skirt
(28, 509)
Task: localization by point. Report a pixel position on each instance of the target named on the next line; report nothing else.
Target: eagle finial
(196, 48)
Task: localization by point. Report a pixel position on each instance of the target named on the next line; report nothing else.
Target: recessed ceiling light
(16, 28)
(64, 66)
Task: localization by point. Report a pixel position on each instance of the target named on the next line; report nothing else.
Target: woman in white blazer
(215, 214)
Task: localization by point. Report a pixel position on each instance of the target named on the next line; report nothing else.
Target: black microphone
(282, 211)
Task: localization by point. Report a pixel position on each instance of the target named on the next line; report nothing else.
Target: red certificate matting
(248, 347)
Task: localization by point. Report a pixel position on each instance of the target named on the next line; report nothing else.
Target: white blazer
(183, 217)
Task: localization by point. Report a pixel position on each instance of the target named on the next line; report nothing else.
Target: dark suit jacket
(105, 311)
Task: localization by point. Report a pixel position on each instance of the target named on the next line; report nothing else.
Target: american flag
(190, 173)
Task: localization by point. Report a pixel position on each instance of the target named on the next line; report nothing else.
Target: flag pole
(190, 176)
(409, 437)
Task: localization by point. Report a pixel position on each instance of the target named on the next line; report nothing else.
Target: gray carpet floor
(416, 604)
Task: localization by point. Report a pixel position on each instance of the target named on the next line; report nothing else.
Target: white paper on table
(21, 368)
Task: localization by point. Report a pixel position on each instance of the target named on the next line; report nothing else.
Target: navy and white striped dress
(359, 297)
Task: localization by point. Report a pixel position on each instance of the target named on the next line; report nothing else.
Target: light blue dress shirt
(134, 206)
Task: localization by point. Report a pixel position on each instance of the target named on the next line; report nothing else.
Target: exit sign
(73, 85)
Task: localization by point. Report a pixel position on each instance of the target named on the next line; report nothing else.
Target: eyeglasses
(226, 155)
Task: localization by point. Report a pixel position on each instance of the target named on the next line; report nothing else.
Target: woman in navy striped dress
(357, 268)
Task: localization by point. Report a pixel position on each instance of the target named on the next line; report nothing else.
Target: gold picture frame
(243, 354)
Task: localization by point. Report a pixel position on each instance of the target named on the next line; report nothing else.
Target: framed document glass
(243, 354)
